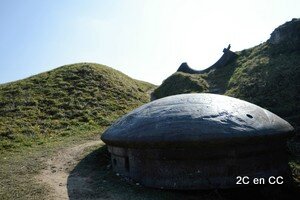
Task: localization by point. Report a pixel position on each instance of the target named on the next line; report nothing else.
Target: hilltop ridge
(67, 100)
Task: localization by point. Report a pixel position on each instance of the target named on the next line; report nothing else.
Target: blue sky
(146, 40)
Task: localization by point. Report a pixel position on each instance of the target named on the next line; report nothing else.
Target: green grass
(180, 83)
(69, 100)
(17, 176)
(269, 80)
(18, 168)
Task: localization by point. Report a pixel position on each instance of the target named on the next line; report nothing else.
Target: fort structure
(227, 57)
(198, 141)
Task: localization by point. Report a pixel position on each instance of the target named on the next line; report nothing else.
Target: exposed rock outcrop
(287, 35)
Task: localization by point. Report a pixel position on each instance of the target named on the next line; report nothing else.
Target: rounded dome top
(193, 119)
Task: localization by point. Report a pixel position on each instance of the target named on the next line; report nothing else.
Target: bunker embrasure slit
(127, 163)
(250, 116)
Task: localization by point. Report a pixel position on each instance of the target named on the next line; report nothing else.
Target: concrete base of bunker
(201, 168)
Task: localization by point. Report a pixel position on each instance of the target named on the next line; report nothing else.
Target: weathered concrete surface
(198, 141)
(188, 119)
(203, 168)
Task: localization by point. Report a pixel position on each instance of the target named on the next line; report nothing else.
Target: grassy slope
(18, 168)
(72, 99)
(180, 83)
(263, 75)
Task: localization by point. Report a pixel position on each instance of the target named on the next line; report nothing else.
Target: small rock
(137, 184)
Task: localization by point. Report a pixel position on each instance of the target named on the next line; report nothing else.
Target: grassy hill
(180, 83)
(71, 99)
(265, 75)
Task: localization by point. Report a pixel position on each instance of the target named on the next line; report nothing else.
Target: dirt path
(84, 172)
(58, 168)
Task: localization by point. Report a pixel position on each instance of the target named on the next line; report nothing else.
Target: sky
(145, 39)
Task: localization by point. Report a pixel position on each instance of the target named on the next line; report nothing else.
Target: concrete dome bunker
(198, 141)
